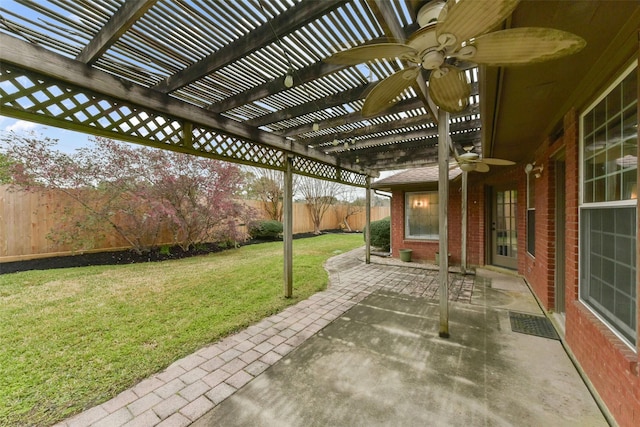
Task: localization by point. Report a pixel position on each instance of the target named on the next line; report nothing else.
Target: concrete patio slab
(383, 364)
(366, 352)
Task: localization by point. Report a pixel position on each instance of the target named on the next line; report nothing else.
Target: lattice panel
(320, 170)
(310, 167)
(40, 96)
(34, 97)
(353, 178)
(235, 149)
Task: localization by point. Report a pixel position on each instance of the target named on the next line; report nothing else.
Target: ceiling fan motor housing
(469, 157)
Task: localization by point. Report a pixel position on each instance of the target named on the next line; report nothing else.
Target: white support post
(443, 198)
(465, 182)
(368, 223)
(288, 228)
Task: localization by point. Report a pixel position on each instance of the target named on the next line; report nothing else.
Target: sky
(68, 140)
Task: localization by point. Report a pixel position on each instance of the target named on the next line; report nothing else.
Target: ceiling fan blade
(360, 54)
(482, 167)
(497, 162)
(384, 94)
(524, 46)
(451, 91)
(470, 18)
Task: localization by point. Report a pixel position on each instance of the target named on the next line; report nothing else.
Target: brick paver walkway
(192, 386)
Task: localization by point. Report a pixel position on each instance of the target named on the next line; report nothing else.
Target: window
(421, 215)
(531, 215)
(608, 210)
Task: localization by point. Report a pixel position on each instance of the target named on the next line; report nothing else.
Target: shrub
(270, 229)
(381, 233)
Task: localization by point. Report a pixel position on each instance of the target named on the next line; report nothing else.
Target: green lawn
(73, 338)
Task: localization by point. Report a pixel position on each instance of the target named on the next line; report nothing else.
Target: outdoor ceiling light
(528, 168)
(538, 171)
(316, 126)
(335, 142)
(288, 80)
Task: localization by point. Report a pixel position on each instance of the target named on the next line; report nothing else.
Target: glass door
(504, 230)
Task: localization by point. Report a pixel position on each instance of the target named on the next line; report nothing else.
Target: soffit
(528, 104)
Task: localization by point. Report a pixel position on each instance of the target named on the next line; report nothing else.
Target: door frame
(559, 286)
(490, 231)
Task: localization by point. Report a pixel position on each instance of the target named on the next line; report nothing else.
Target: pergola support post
(367, 238)
(465, 183)
(443, 198)
(288, 227)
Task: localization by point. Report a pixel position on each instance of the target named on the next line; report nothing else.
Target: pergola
(207, 77)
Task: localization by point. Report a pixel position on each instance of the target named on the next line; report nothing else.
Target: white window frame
(407, 235)
(582, 205)
(531, 209)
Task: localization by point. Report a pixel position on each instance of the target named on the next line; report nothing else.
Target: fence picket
(27, 217)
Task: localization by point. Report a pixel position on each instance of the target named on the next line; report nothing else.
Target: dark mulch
(125, 257)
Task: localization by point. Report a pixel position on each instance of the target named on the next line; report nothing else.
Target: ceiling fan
(456, 31)
(470, 161)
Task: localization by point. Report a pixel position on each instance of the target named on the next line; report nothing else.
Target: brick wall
(611, 366)
(476, 223)
(539, 268)
(426, 249)
(476, 227)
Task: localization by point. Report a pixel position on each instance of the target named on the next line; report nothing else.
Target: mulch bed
(125, 257)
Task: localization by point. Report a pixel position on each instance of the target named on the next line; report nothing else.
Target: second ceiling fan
(470, 161)
(456, 32)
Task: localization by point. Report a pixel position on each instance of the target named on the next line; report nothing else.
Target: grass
(73, 338)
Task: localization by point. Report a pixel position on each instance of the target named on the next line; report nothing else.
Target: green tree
(131, 191)
(5, 169)
(267, 186)
(319, 195)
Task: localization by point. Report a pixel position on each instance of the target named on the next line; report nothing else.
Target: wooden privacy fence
(26, 218)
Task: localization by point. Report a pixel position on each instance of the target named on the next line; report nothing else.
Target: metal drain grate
(532, 325)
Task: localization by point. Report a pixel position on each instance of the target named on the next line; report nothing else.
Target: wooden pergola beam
(32, 57)
(290, 20)
(117, 25)
(420, 134)
(303, 75)
(311, 106)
